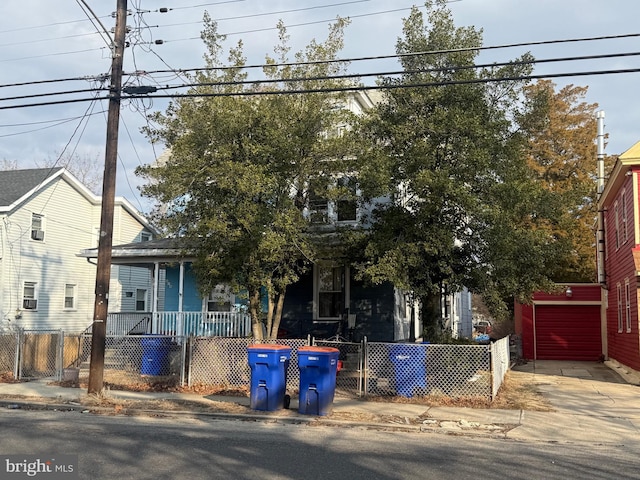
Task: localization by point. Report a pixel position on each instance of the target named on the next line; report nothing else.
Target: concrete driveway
(592, 402)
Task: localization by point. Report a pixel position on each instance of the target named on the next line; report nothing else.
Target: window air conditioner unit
(37, 234)
(29, 303)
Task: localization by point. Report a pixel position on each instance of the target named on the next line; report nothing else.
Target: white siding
(51, 263)
(124, 278)
(71, 221)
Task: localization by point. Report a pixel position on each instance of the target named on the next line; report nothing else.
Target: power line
(52, 54)
(401, 72)
(102, 31)
(58, 123)
(332, 89)
(399, 55)
(47, 39)
(102, 77)
(132, 90)
(355, 88)
(50, 94)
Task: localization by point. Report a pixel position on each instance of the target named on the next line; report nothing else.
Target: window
(219, 299)
(348, 205)
(145, 236)
(619, 308)
(616, 214)
(318, 207)
(37, 227)
(628, 305)
(141, 300)
(330, 291)
(624, 216)
(29, 296)
(69, 296)
(331, 200)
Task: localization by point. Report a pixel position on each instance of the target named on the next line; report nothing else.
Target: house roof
(626, 162)
(16, 184)
(137, 253)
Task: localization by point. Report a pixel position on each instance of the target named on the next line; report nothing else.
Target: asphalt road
(141, 448)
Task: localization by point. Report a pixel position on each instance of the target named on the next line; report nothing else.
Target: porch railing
(200, 324)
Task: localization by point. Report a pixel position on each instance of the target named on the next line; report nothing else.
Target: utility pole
(103, 271)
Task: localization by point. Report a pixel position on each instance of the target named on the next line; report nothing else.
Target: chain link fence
(349, 380)
(365, 369)
(423, 369)
(224, 362)
(128, 357)
(9, 353)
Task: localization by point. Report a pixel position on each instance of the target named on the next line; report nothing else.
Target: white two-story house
(46, 218)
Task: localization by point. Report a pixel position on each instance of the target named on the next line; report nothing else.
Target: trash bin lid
(271, 348)
(318, 349)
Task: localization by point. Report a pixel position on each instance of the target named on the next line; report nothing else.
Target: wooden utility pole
(103, 273)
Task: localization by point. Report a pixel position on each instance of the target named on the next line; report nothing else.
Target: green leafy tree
(242, 157)
(451, 157)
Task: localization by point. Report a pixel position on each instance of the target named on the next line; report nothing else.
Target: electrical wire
(403, 72)
(389, 87)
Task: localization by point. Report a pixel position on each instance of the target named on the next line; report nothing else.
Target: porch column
(180, 327)
(154, 302)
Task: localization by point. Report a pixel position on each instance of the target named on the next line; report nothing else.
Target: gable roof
(16, 184)
(626, 162)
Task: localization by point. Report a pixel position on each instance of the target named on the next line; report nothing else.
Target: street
(202, 448)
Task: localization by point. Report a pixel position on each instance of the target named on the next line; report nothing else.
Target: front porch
(182, 324)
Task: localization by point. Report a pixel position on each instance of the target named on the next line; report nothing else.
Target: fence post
(190, 359)
(183, 360)
(16, 363)
(364, 387)
(60, 356)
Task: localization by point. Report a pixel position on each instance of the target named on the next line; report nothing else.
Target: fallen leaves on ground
(517, 392)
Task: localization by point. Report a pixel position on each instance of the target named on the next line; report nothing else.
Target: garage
(567, 332)
(562, 325)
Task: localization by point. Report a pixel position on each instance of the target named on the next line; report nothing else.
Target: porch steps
(113, 358)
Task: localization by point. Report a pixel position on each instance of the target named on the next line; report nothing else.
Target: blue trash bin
(318, 369)
(269, 364)
(410, 367)
(155, 355)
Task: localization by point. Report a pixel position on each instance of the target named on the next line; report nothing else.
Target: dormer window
(37, 227)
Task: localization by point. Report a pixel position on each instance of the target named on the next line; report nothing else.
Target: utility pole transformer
(103, 272)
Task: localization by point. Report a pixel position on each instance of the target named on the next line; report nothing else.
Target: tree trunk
(275, 326)
(270, 307)
(254, 310)
(431, 312)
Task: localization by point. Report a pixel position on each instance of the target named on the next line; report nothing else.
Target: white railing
(201, 324)
(128, 323)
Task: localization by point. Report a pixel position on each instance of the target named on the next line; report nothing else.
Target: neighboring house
(458, 315)
(619, 203)
(46, 218)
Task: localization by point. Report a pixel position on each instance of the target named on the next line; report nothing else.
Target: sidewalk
(592, 403)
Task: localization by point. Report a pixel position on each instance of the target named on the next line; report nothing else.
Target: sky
(42, 40)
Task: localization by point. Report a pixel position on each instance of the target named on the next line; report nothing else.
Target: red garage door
(568, 332)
